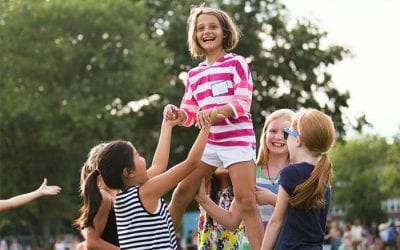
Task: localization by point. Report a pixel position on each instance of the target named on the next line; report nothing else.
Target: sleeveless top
(110, 230)
(140, 229)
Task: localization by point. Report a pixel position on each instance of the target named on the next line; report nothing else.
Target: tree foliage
(75, 73)
(365, 174)
(290, 62)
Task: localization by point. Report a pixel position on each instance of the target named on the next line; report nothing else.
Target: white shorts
(223, 157)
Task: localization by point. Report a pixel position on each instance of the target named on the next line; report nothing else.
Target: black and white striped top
(139, 229)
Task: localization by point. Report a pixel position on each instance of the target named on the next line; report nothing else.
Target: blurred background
(76, 73)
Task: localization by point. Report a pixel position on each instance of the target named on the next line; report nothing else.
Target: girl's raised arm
(161, 155)
(229, 219)
(22, 199)
(156, 187)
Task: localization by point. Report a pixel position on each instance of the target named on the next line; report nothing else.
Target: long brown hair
(90, 165)
(317, 133)
(87, 169)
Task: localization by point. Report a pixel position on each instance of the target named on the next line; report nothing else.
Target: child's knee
(246, 202)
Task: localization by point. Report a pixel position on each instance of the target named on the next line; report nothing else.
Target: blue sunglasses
(288, 131)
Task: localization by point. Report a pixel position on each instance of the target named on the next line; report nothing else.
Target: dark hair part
(112, 161)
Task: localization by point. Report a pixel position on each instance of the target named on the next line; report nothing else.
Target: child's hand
(201, 193)
(215, 116)
(265, 196)
(172, 113)
(203, 118)
(48, 190)
(180, 118)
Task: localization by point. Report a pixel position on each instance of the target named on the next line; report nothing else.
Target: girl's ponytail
(91, 201)
(318, 136)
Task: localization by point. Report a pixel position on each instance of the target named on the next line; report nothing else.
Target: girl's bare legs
(186, 190)
(243, 176)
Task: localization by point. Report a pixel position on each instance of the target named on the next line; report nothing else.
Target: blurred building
(392, 209)
(390, 206)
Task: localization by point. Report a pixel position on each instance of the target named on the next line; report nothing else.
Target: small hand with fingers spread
(48, 190)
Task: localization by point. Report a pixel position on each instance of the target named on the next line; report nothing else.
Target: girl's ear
(298, 141)
(127, 173)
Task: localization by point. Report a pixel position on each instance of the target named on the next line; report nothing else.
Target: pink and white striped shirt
(227, 81)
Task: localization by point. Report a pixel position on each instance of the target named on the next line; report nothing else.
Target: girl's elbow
(192, 162)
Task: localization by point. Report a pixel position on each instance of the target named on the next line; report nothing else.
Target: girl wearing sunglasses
(300, 214)
(273, 156)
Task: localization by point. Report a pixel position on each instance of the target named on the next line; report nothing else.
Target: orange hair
(318, 135)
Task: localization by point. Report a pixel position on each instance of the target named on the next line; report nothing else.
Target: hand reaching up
(22, 199)
(173, 113)
(202, 195)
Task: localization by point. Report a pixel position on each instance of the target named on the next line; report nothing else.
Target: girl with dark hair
(104, 234)
(142, 218)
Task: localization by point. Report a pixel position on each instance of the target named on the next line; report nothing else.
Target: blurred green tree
(290, 59)
(74, 73)
(390, 176)
(365, 173)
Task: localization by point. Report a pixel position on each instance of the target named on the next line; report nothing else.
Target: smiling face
(274, 136)
(209, 33)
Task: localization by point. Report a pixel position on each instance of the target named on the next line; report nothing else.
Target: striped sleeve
(243, 88)
(189, 105)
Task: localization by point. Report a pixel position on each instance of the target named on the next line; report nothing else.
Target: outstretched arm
(229, 219)
(161, 155)
(156, 187)
(20, 200)
(265, 196)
